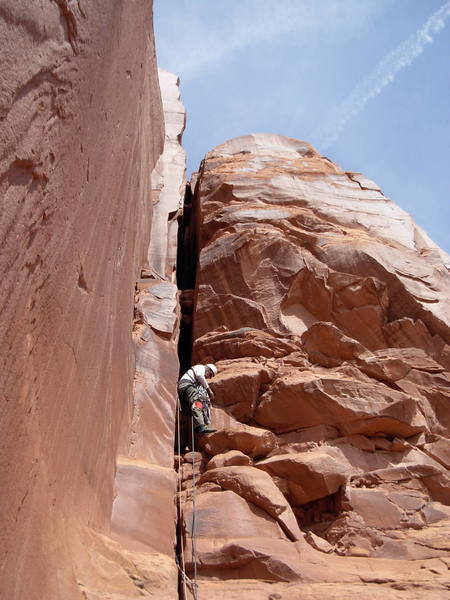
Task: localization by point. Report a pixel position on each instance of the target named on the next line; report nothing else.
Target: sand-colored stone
(242, 343)
(232, 435)
(308, 475)
(326, 309)
(238, 387)
(256, 487)
(312, 274)
(309, 399)
(247, 558)
(227, 514)
(82, 128)
(326, 345)
(228, 459)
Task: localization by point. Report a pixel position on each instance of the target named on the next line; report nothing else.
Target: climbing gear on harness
(206, 409)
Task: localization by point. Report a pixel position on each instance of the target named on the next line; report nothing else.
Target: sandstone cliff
(144, 512)
(325, 307)
(82, 129)
(327, 311)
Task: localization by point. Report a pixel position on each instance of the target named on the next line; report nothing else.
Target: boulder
(256, 487)
(326, 345)
(375, 507)
(362, 442)
(228, 459)
(410, 333)
(318, 542)
(193, 457)
(439, 450)
(237, 387)
(309, 475)
(309, 399)
(232, 435)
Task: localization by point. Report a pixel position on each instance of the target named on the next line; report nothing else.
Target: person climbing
(194, 392)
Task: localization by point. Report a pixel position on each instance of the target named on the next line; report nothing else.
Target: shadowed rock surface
(82, 129)
(327, 311)
(324, 306)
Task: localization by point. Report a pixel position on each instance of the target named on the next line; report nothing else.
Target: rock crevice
(325, 308)
(329, 329)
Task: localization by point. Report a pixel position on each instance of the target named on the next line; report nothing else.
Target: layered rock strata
(82, 129)
(326, 310)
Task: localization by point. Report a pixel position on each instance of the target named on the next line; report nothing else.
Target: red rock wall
(325, 307)
(326, 310)
(144, 509)
(82, 128)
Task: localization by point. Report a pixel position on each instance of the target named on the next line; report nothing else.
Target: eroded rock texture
(144, 510)
(327, 311)
(82, 129)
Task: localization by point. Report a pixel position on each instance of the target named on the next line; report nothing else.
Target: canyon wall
(144, 512)
(324, 306)
(326, 310)
(82, 129)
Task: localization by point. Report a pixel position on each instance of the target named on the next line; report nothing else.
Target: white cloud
(383, 74)
(193, 35)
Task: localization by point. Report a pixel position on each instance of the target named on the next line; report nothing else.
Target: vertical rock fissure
(329, 403)
(186, 268)
(187, 259)
(146, 482)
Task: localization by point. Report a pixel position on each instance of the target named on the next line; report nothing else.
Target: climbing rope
(192, 583)
(194, 550)
(182, 568)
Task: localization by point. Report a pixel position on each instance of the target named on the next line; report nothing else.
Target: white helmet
(212, 368)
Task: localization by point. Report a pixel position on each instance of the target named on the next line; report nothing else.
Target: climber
(194, 391)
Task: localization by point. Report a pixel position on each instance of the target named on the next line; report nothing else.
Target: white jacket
(196, 375)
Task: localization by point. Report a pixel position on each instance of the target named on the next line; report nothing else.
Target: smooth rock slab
(256, 487)
(142, 491)
(247, 558)
(227, 515)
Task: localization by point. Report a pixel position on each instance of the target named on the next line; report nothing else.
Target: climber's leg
(197, 415)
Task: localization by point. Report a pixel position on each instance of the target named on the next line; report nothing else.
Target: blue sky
(365, 81)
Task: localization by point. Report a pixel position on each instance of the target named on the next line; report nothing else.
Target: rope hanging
(182, 568)
(194, 550)
(192, 583)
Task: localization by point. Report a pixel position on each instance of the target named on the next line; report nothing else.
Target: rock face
(144, 510)
(324, 306)
(82, 129)
(326, 310)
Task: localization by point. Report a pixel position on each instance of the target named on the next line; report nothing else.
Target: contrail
(189, 42)
(383, 74)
